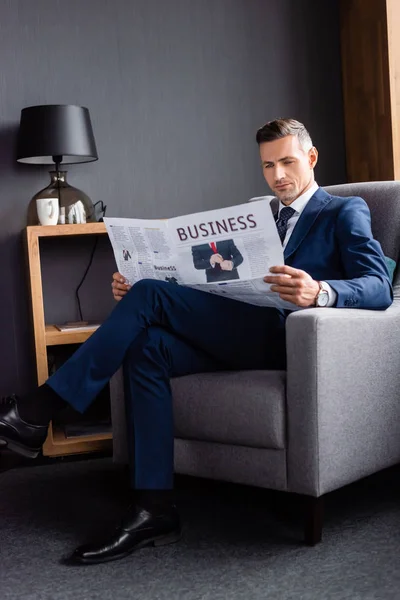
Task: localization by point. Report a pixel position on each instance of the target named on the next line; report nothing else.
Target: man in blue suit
(219, 260)
(159, 331)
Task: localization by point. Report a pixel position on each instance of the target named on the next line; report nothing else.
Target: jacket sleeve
(367, 284)
(198, 259)
(236, 256)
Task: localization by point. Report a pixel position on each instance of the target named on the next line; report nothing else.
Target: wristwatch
(322, 298)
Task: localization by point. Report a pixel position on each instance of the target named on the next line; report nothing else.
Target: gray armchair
(332, 418)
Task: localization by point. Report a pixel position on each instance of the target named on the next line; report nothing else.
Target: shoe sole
(19, 449)
(164, 540)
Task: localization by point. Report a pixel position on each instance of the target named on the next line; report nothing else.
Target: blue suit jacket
(332, 241)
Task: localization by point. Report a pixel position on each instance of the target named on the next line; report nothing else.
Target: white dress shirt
(299, 205)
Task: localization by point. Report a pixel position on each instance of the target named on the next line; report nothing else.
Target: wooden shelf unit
(46, 335)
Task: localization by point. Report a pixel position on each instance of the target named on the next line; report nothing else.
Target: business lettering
(220, 227)
(164, 268)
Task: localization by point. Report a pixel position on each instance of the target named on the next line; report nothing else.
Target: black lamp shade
(56, 130)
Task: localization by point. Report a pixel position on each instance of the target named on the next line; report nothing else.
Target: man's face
(287, 168)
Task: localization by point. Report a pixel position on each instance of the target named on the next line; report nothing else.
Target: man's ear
(313, 157)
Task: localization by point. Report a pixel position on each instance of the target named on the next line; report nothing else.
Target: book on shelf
(87, 428)
(78, 326)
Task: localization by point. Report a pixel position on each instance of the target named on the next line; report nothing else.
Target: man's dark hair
(279, 128)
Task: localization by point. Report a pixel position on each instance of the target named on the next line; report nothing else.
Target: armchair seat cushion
(236, 407)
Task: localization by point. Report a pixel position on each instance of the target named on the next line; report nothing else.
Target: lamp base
(74, 206)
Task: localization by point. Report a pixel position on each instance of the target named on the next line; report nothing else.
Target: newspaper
(226, 251)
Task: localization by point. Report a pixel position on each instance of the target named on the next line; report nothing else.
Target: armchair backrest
(383, 199)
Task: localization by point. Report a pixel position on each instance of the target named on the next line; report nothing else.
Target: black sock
(154, 500)
(40, 406)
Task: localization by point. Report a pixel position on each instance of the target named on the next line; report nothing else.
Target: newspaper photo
(227, 251)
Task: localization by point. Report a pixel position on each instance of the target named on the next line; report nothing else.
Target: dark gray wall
(176, 90)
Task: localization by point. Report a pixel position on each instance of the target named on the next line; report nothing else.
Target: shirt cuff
(332, 295)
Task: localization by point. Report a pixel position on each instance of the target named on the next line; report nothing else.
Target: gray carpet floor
(239, 543)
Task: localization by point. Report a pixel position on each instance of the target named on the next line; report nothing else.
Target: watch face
(322, 298)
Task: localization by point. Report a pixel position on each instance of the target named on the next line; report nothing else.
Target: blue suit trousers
(157, 331)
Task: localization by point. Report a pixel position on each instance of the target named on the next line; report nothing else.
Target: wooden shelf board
(57, 230)
(57, 444)
(77, 448)
(55, 337)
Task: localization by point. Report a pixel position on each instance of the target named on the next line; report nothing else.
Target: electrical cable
(103, 210)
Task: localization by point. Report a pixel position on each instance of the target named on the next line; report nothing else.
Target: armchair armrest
(343, 396)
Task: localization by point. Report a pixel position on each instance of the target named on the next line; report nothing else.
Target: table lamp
(57, 134)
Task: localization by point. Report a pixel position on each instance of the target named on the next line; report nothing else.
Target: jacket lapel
(314, 206)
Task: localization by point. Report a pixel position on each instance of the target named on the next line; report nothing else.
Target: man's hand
(293, 285)
(216, 259)
(226, 265)
(119, 287)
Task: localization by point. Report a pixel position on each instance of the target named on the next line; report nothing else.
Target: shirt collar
(300, 203)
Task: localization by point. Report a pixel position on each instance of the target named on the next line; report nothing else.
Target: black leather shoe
(16, 434)
(139, 528)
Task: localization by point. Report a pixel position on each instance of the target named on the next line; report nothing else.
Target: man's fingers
(118, 292)
(227, 265)
(120, 286)
(288, 271)
(118, 278)
(283, 280)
